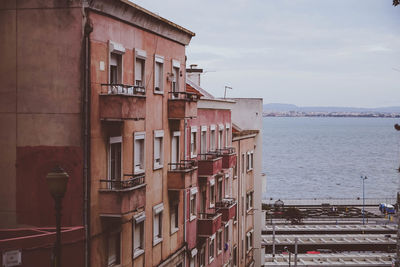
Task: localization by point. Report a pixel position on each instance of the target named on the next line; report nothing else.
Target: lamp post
(363, 178)
(287, 251)
(57, 181)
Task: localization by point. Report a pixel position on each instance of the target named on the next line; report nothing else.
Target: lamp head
(57, 181)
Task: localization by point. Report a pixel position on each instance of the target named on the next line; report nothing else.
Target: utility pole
(227, 87)
(363, 209)
(273, 240)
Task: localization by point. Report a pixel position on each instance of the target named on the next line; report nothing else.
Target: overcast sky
(303, 52)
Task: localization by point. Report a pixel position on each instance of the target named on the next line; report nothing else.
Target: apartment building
(99, 88)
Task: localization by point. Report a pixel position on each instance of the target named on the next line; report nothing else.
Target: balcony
(227, 207)
(182, 105)
(119, 197)
(209, 164)
(228, 155)
(181, 175)
(122, 102)
(208, 223)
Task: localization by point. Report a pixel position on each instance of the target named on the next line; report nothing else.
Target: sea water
(321, 157)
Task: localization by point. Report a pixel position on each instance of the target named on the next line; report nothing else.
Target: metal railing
(211, 155)
(225, 203)
(207, 215)
(182, 165)
(122, 89)
(184, 95)
(134, 181)
(225, 151)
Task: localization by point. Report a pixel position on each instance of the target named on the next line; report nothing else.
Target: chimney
(193, 73)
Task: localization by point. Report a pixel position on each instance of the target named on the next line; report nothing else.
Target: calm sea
(325, 157)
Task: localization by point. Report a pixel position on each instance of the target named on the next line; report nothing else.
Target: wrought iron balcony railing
(182, 165)
(122, 89)
(184, 96)
(123, 184)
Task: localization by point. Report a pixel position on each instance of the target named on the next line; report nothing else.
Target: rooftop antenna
(227, 87)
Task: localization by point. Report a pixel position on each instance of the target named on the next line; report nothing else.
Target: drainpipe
(86, 138)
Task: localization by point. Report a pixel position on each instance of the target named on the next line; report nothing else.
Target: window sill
(157, 167)
(137, 253)
(248, 211)
(211, 259)
(219, 252)
(235, 177)
(157, 241)
(212, 205)
(138, 171)
(158, 92)
(192, 217)
(174, 230)
(193, 155)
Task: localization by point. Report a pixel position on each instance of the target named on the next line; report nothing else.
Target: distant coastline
(289, 110)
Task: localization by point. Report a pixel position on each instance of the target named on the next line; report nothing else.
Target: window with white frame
(140, 61)
(242, 165)
(157, 223)
(212, 138)
(235, 170)
(227, 185)
(251, 159)
(220, 137)
(175, 75)
(202, 257)
(193, 203)
(175, 148)
(249, 240)
(211, 248)
(158, 149)
(219, 241)
(158, 74)
(115, 64)
(139, 157)
(226, 233)
(138, 234)
(249, 201)
(115, 159)
(174, 216)
(248, 161)
(114, 249)
(212, 193)
(219, 189)
(203, 140)
(227, 131)
(193, 142)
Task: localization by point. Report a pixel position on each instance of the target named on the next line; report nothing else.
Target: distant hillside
(277, 107)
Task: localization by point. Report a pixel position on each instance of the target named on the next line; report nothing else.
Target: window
(226, 234)
(211, 249)
(203, 200)
(219, 241)
(249, 201)
(212, 137)
(193, 200)
(139, 159)
(249, 240)
(115, 159)
(202, 257)
(114, 248)
(227, 139)
(175, 79)
(175, 148)
(212, 193)
(219, 189)
(158, 149)
(235, 170)
(203, 140)
(138, 234)
(115, 66)
(243, 163)
(140, 60)
(227, 187)
(234, 256)
(158, 74)
(193, 140)
(251, 159)
(248, 161)
(174, 216)
(220, 139)
(157, 223)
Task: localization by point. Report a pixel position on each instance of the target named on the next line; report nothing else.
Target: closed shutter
(138, 72)
(137, 236)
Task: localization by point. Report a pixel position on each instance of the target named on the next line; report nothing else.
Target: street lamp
(57, 181)
(363, 178)
(287, 251)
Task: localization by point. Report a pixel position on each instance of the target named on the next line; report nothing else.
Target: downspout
(86, 140)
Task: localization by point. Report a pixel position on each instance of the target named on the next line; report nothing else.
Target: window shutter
(113, 59)
(156, 225)
(138, 70)
(137, 236)
(157, 150)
